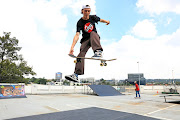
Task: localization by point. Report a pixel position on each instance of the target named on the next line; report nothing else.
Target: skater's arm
(76, 38)
(105, 21)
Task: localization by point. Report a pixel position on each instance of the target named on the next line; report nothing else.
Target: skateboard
(103, 61)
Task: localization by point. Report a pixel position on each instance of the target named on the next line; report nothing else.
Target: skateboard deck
(103, 61)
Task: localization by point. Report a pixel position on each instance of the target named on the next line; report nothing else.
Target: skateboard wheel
(75, 61)
(105, 64)
(101, 64)
(78, 59)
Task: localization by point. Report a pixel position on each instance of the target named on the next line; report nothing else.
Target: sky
(143, 35)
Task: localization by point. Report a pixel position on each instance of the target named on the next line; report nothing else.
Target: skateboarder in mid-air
(90, 38)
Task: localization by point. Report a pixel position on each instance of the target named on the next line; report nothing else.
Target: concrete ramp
(104, 90)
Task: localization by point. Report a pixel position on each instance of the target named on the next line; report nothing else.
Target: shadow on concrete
(92, 113)
(13, 97)
(175, 102)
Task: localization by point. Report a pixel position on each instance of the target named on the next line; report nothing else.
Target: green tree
(13, 67)
(38, 80)
(102, 81)
(41, 81)
(177, 83)
(108, 83)
(54, 80)
(33, 79)
(66, 82)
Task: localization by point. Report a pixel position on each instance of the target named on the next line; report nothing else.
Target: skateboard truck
(103, 63)
(77, 60)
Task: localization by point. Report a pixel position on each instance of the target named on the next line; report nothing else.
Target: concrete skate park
(48, 102)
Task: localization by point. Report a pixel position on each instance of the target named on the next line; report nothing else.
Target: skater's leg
(139, 94)
(95, 41)
(79, 68)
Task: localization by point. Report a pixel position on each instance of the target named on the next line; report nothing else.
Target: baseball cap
(86, 6)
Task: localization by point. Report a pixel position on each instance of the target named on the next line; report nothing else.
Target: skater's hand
(108, 22)
(105, 21)
(71, 51)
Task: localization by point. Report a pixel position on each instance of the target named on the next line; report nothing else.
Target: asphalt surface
(89, 107)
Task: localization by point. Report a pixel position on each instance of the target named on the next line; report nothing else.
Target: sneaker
(73, 77)
(97, 54)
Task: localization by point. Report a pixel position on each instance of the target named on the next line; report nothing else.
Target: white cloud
(156, 57)
(59, 35)
(40, 27)
(145, 29)
(174, 40)
(77, 6)
(159, 6)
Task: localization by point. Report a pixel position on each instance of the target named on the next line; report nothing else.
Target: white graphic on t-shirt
(88, 27)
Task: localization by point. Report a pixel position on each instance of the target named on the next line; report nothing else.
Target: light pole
(139, 75)
(172, 77)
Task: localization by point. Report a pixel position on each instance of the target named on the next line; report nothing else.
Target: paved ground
(88, 107)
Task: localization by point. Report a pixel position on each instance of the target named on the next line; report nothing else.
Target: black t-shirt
(87, 26)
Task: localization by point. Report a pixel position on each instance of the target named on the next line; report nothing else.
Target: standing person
(137, 89)
(90, 38)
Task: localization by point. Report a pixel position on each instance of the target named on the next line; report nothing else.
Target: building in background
(106, 82)
(58, 77)
(135, 77)
(87, 80)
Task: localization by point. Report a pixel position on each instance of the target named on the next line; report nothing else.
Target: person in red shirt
(137, 89)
